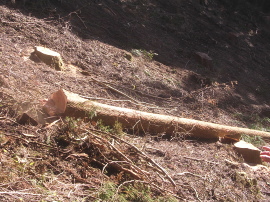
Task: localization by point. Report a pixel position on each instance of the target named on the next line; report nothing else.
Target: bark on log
(149, 122)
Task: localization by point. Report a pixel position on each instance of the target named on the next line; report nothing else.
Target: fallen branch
(116, 165)
(147, 158)
(128, 171)
(149, 122)
(164, 172)
(104, 167)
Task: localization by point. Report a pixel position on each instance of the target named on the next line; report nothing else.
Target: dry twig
(130, 101)
(196, 193)
(189, 173)
(114, 89)
(212, 162)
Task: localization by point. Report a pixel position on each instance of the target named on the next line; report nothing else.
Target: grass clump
(107, 192)
(101, 126)
(257, 141)
(148, 55)
(137, 193)
(259, 123)
(117, 128)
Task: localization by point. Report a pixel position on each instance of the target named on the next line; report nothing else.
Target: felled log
(144, 121)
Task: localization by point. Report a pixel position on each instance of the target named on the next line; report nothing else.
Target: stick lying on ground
(142, 121)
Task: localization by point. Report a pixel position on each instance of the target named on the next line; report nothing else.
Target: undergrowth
(257, 141)
(254, 122)
(148, 55)
(137, 192)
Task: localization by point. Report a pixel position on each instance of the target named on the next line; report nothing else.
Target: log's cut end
(49, 57)
(250, 153)
(56, 104)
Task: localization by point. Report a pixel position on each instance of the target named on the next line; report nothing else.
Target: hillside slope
(144, 49)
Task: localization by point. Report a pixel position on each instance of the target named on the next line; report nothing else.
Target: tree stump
(49, 57)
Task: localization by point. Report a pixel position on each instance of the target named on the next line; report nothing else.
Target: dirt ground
(144, 49)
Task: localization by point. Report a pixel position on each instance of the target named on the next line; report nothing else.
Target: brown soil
(96, 40)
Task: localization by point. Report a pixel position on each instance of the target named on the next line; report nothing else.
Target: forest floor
(144, 49)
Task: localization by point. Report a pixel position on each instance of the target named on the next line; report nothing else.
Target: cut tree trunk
(147, 122)
(49, 57)
(249, 152)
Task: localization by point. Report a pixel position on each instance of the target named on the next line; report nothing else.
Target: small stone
(204, 59)
(249, 152)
